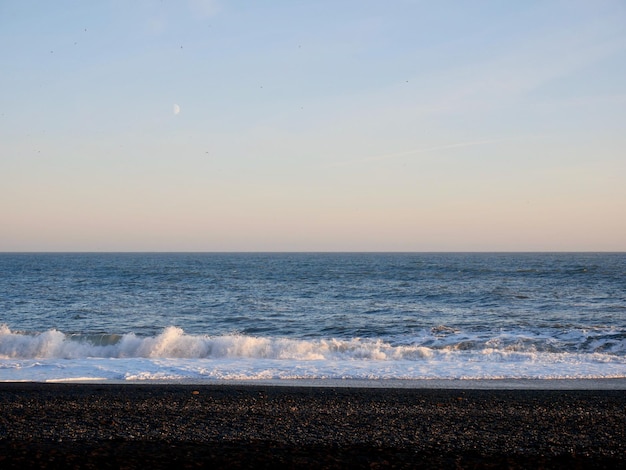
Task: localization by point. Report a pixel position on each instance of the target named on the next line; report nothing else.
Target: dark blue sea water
(295, 315)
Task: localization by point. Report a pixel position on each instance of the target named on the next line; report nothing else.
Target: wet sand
(260, 426)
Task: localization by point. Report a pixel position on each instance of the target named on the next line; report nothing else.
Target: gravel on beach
(239, 426)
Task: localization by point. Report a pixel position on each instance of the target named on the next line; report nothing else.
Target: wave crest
(173, 342)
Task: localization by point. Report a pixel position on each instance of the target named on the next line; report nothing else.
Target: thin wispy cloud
(204, 8)
(527, 67)
(408, 153)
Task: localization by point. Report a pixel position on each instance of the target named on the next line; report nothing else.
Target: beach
(44, 425)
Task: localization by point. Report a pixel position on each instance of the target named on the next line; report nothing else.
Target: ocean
(220, 317)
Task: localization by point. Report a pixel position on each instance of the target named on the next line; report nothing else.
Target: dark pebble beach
(233, 426)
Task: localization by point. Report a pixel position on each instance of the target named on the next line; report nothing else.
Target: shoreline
(453, 384)
(56, 425)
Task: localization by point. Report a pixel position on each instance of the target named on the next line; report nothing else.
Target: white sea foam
(174, 343)
(173, 355)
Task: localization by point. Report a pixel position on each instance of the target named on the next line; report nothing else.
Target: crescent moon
(176, 109)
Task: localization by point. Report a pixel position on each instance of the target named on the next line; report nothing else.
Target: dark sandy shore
(192, 426)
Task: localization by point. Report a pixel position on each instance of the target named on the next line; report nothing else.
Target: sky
(352, 125)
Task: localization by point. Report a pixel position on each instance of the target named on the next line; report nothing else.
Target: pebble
(139, 426)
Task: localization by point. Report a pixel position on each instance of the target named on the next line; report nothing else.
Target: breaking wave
(173, 342)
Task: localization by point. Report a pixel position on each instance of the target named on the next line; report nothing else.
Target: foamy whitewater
(221, 317)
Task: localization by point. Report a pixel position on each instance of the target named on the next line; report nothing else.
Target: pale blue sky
(312, 125)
